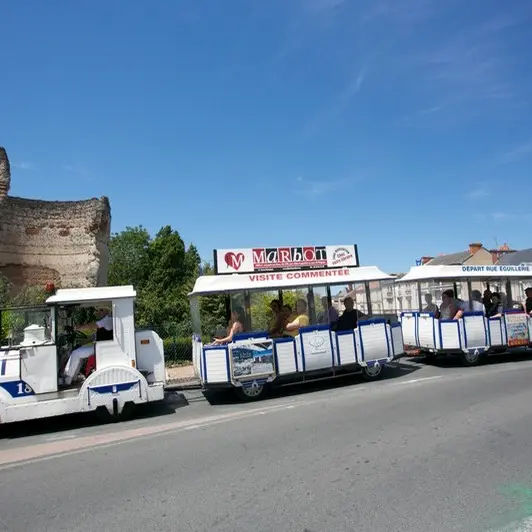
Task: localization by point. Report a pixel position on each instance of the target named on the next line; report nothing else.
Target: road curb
(176, 385)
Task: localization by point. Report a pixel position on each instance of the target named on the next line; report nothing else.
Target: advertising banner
(517, 329)
(252, 260)
(252, 358)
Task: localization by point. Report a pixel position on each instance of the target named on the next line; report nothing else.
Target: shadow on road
(393, 370)
(453, 361)
(38, 427)
(175, 400)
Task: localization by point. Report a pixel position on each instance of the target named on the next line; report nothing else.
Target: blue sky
(402, 126)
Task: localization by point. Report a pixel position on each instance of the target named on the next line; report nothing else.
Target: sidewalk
(182, 377)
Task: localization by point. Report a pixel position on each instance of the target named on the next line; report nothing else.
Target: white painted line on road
(61, 437)
(414, 381)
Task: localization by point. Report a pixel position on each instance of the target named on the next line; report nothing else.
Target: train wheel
(470, 358)
(372, 373)
(255, 392)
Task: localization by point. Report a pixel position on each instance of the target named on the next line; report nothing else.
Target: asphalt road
(432, 448)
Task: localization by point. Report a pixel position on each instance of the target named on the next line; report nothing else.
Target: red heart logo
(234, 260)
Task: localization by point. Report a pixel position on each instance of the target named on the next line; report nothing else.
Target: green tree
(163, 270)
(260, 306)
(212, 308)
(163, 296)
(192, 262)
(129, 261)
(12, 324)
(28, 296)
(261, 314)
(4, 291)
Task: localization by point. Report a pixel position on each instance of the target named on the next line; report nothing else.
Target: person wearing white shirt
(329, 314)
(476, 301)
(104, 331)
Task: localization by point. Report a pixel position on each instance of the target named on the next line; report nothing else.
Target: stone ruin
(63, 242)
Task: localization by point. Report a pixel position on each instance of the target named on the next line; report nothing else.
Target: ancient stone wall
(65, 242)
(5, 174)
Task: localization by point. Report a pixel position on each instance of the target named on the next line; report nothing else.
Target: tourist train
(282, 327)
(473, 331)
(48, 368)
(253, 354)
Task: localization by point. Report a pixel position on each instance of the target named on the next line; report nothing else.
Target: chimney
(5, 173)
(474, 247)
(497, 254)
(424, 260)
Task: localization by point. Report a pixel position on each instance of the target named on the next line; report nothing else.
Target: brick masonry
(65, 242)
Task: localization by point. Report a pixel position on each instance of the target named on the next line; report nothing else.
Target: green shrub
(177, 349)
(12, 325)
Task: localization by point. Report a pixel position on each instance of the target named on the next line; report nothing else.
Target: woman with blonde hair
(236, 325)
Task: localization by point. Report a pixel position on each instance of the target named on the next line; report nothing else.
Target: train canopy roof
(215, 284)
(495, 271)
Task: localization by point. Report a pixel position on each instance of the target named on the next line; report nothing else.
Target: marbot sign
(234, 260)
(284, 258)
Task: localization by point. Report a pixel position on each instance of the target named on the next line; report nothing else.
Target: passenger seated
(75, 362)
(463, 306)
(527, 303)
(476, 301)
(486, 300)
(276, 326)
(449, 309)
(236, 325)
(349, 318)
(302, 319)
(288, 313)
(504, 300)
(329, 315)
(431, 306)
(496, 308)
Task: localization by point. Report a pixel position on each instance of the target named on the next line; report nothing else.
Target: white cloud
(78, 169)
(480, 192)
(500, 217)
(472, 69)
(23, 165)
(401, 15)
(314, 189)
(338, 103)
(431, 110)
(518, 152)
(467, 71)
(317, 7)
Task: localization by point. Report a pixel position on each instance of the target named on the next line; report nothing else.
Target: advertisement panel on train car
(270, 259)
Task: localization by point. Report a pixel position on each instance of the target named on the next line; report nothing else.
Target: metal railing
(177, 342)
